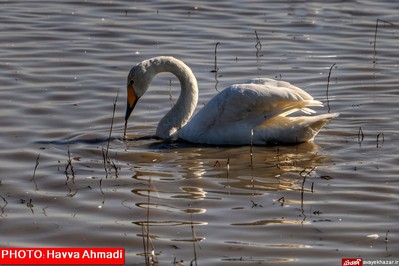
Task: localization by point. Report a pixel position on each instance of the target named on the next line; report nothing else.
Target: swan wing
(231, 114)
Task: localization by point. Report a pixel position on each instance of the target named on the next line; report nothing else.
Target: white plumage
(255, 112)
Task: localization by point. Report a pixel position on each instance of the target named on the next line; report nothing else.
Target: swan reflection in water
(191, 172)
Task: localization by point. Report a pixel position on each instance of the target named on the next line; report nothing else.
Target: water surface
(63, 64)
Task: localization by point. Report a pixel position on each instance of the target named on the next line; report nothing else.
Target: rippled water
(62, 65)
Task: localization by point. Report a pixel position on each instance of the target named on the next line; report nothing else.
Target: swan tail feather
(313, 125)
(302, 106)
(282, 129)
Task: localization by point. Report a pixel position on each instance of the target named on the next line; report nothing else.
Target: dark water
(63, 64)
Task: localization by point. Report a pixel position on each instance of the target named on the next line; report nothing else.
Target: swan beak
(131, 103)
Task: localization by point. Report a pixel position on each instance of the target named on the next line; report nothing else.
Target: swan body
(256, 112)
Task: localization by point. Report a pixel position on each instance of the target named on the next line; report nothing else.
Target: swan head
(138, 82)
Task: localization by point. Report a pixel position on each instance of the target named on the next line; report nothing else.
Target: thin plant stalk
(112, 124)
(258, 45)
(328, 85)
(34, 171)
(376, 30)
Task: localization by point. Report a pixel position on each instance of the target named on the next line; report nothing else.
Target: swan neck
(181, 112)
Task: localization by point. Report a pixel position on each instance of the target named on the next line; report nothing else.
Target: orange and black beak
(131, 103)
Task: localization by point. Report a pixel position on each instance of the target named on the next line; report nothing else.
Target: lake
(65, 65)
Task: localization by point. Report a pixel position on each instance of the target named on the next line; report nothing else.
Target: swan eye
(131, 82)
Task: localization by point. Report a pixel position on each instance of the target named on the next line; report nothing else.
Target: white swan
(253, 112)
